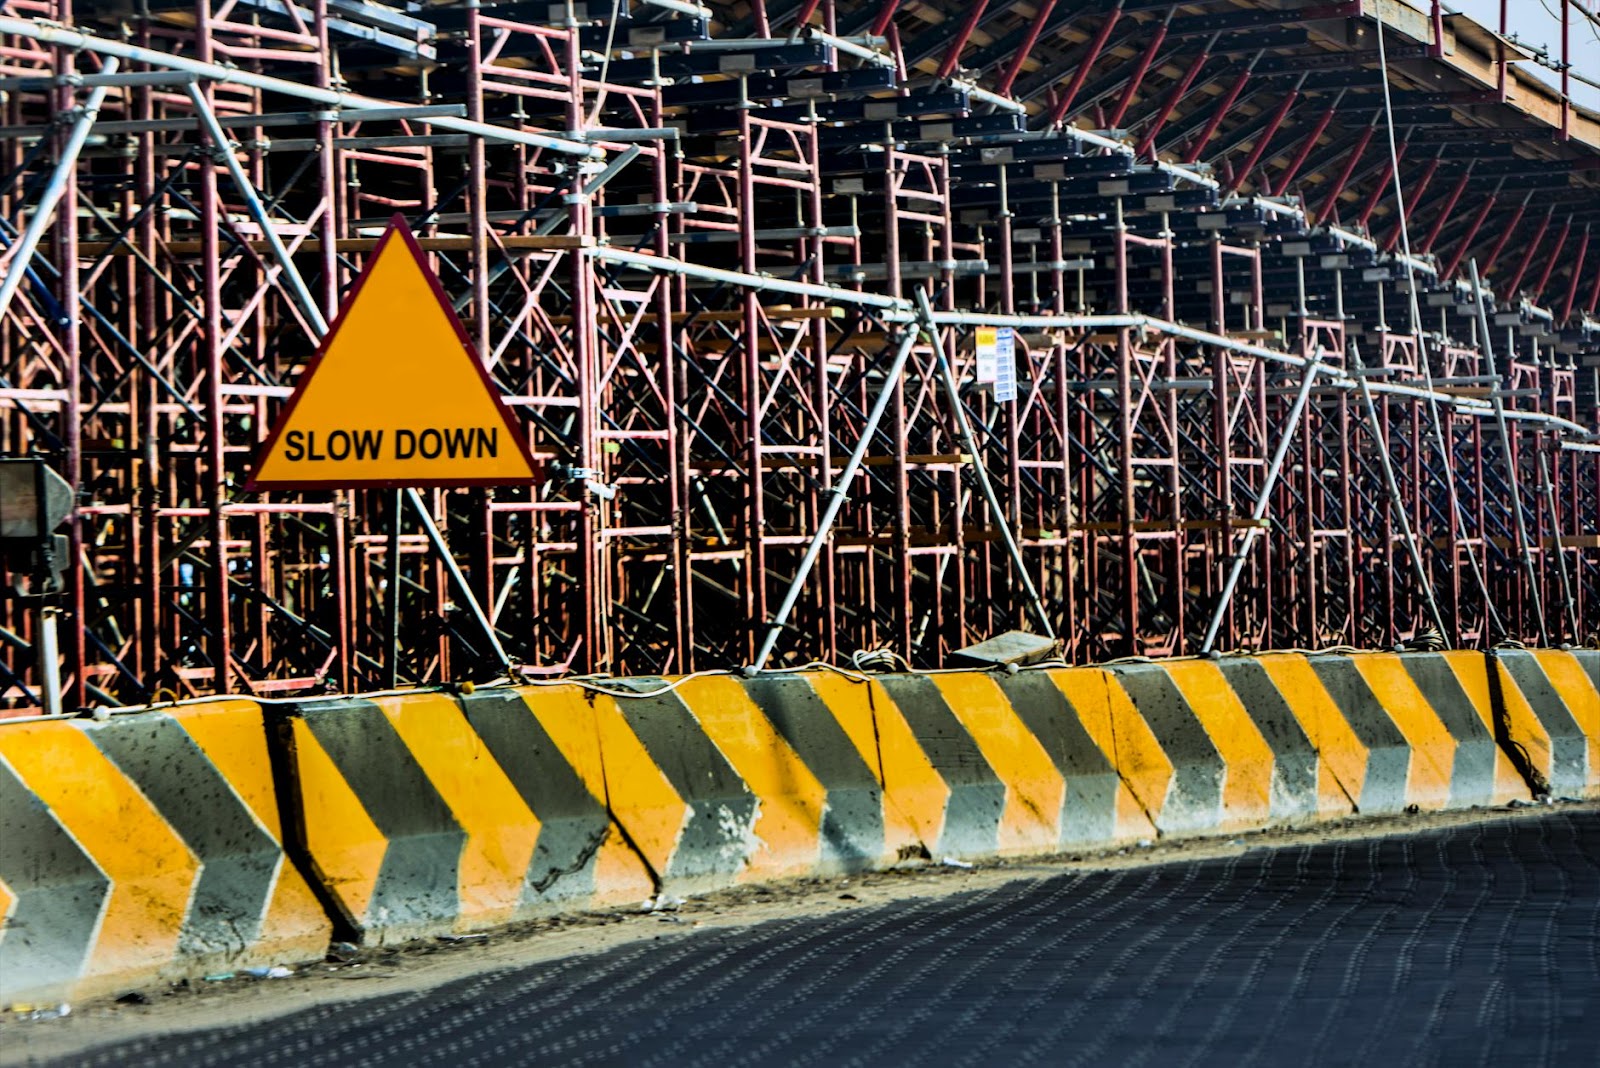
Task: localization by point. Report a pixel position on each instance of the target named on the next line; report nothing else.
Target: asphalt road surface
(1477, 944)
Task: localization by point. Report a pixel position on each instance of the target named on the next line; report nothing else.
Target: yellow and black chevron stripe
(144, 846)
(992, 765)
(428, 813)
(722, 780)
(1421, 730)
(1552, 704)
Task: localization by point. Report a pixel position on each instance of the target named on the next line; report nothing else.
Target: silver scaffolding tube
(22, 252)
(1263, 500)
(758, 282)
(223, 149)
(443, 549)
(1524, 552)
(1393, 488)
(76, 39)
(838, 493)
(895, 310)
(1458, 519)
(982, 470)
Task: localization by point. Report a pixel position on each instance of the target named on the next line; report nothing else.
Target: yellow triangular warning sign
(395, 395)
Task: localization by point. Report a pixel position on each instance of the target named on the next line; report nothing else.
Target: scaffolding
(729, 266)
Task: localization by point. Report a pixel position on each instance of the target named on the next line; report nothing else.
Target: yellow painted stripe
(1572, 683)
(1132, 823)
(1035, 789)
(789, 819)
(620, 876)
(501, 830)
(346, 847)
(1108, 714)
(642, 799)
(1472, 672)
(565, 715)
(1246, 757)
(232, 737)
(852, 705)
(152, 872)
(1341, 758)
(295, 922)
(1433, 747)
(849, 702)
(1523, 724)
(910, 782)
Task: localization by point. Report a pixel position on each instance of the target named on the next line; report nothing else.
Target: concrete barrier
(1073, 713)
(684, 806)
(1013, 769)
(169, 842)
(1422, 727)
(1455, 688)
(967, 808)
(830, 723)
(545, 743)
(720, 780)
(142, 848)
(424, 815)
(1313, 747)
(1222, 767)
(1552, 716)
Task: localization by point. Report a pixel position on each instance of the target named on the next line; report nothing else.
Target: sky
(1538, 22)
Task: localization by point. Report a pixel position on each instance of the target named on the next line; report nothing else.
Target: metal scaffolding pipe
(853, 48)
(1396, 502)
(837, 495)
(1560, 550)
(897, 310)
(1258, 511)
(223, 149)
(22, 252)
(76, 39)
(757, 282)
(980, 469)
(319, 327)
(1524, 551)
(463, 587)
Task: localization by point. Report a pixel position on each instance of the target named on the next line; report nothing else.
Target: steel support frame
(695, 424)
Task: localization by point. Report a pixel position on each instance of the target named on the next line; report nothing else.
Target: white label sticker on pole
(986, 345)
(1005, 358)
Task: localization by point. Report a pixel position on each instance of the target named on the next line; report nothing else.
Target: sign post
(396, 398)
